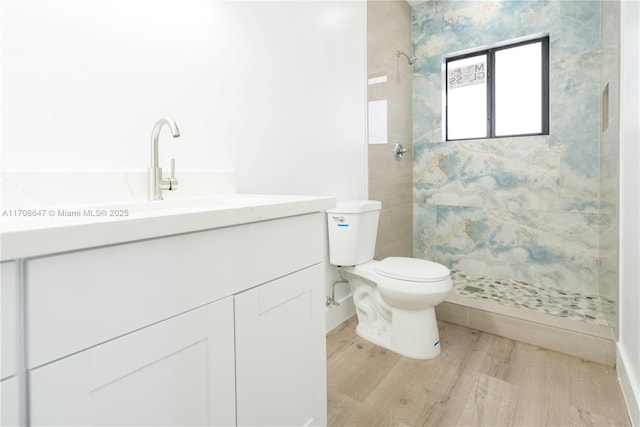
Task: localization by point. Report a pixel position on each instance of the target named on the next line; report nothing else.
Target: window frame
(490, 51)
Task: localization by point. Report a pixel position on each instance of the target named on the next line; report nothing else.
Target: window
(498, 91)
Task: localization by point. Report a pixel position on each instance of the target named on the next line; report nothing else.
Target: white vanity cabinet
(216, 327)
(9, 402)
(77, 300)
(280, 352)
(177, 372)
(9, 385)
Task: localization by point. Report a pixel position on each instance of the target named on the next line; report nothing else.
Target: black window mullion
(491, 106)
(446, 99)
(545, 85)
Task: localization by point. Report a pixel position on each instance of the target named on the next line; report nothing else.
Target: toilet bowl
(395, 298)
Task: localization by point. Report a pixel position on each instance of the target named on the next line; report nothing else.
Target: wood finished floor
(479, 379)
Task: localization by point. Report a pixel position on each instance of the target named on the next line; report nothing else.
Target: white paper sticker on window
(467, 75)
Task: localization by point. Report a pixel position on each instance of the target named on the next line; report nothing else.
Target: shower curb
(590, 342)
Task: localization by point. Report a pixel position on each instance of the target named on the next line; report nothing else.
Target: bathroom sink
(248, 206)
(59, 228)
(227, 200)
(176, 206)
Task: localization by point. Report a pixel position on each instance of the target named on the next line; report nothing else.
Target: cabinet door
(280, 352)
(9, 389)
(9, 321)
(176, 372)
(9, 402)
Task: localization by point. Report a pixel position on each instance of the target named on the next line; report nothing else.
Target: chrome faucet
(155, 180)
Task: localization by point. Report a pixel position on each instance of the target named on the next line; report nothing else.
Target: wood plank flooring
(480, 379)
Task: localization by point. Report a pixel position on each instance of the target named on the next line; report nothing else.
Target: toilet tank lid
(356, 206)
(412, 269)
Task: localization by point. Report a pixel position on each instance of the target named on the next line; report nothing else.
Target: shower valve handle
(399, 151)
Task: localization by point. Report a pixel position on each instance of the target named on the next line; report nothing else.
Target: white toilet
(395, 297)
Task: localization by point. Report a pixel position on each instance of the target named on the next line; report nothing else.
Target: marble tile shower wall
(610, 151)
(522, 208)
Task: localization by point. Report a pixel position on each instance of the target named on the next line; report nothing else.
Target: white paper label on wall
(378, 122)
(377, 80)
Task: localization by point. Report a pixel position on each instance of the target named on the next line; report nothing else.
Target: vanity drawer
(81, 299)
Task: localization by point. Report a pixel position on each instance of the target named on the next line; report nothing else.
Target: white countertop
(32, 232)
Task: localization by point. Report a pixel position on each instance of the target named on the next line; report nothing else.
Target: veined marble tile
(424, 229)
(427, 114)
(610, 156)
(558, 249)
(525, 208)
(515, 173)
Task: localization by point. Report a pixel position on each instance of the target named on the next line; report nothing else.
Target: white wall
(629, 342)
(303, 98)
(274, 91)
(271, 90)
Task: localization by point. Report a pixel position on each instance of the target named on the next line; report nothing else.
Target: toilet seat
(412, 269)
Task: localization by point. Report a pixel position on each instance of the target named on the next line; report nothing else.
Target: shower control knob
(399, 151)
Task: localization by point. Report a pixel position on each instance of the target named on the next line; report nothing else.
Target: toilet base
(414, 334)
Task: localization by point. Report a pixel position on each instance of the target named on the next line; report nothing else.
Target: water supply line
(332, 299)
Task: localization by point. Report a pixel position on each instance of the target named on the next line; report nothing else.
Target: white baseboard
(625, 369)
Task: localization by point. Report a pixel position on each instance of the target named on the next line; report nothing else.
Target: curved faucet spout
(155, 134)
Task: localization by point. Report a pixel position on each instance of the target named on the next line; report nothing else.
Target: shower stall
(528, 225)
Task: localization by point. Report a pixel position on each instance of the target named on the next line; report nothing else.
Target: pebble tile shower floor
(568, 304)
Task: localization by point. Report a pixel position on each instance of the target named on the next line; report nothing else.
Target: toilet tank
(353, 227)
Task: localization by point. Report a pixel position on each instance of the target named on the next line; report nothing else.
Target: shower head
(410, 59)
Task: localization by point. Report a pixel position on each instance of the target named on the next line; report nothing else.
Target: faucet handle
(171, 183)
